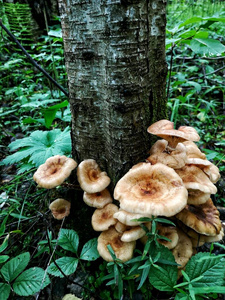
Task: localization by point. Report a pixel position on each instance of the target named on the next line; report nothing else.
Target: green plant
(20, 281)
(36, 148)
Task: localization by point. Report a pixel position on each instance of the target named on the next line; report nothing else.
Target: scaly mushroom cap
(98, 200)
(123, 251)
(195, 179)
(90, 177)
(203, 218)
(134, 233)
(197, 197)
(156, 190)
(193, 151)
(54, 171)
(60, 208)
(183, 250)
(102, 218)
(174, 159)
(165, 129)
(127, 218)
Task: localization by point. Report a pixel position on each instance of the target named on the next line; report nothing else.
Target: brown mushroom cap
(102, 218)
(165, 129)
(183, 250)
(98, 200)
(212, 172)
(123, 251)
(151, 189)
(175, 159)
(54, 171)
(195, 179)
(90, 177)
(127, 218)
(120, 227)
(193, 151)
(197, 197)
(203, 218)
(60, 208)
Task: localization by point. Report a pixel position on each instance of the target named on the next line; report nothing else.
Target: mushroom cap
(175, 159)
(197, 197)
(54, 171)
(201, 163)
(60, 208)
(134, 233)
(126, 217)
(183, 250)
(98, 200)
(212, 172)
(120, 227)
(123, 251)
(195, 179)
(151, 189)
(165, 129)
(102, 218)
(193, 151)
(203, 218)
(90, 177)
(200, 239)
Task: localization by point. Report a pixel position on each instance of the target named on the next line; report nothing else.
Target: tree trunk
(115, 60)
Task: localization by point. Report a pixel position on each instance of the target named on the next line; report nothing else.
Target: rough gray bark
(115, 60)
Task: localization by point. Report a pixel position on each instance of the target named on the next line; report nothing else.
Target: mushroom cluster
(176, 181)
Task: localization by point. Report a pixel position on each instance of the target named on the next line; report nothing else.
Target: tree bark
(115, 60)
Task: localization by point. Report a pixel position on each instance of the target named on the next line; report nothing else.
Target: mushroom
(98, 200)
(203, 218)
(151, 189)
(195, 179)
(54, 171)
(165, 129)
(120, 227)
(60, 208)
(169, 232)
(134, 233)
(175, 159)
(193, 151)
(102, 218)
(197, 197)
(90, 177)
(183, 250)
(123, 251)
(212, 172)
(128, 218)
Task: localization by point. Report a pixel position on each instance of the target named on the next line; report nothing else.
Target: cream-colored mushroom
(54, 171)
(102, 218)
(128, 218)
(90, 177)
(60, 208)
(99, 199)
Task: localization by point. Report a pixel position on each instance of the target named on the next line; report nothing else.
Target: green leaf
(4, 245)
(163, 277)
(2, 228)
(39, 146)
(89, 251)
(3, 258)
(209, 289)
(210, 267)
(15, 266)
(68, 240)
(31, 281)
(67, 264)
(4, 290)
(206, 46)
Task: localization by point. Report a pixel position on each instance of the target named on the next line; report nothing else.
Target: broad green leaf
(55, 33)
(89, 251)
(181, 297)
(211, 267)
(209, 289)
(15, 266)
(39, 146)
(164, 276)
(68, 265)
(68, 240)
(30, 282)
(206, 46)
(4, 245)
(194, 20)
(4, 291)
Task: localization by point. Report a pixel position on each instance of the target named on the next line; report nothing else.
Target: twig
(32, 60)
